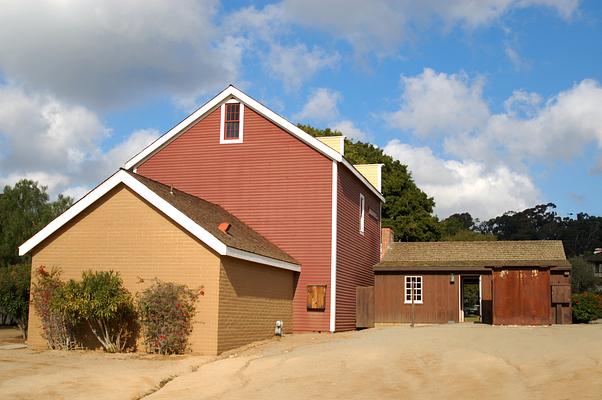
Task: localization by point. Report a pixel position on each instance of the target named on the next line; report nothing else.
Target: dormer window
(231, 130)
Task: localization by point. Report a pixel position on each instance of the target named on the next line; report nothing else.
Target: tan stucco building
(145, 230)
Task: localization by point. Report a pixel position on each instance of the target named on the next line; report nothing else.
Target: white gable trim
(224, 96)
(173, 213)
(256, 258)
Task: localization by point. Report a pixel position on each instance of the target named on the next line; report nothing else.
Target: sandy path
(29, 374)
(448, 361)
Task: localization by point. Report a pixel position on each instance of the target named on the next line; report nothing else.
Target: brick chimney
(386, 238)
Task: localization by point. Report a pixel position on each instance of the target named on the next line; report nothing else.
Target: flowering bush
(100, 301)
(166, 310)
(57, 331)
(586, 307)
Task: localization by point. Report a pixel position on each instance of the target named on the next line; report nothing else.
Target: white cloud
(437, 104)
(515, 58)
(382, 25)
(321, 106)
(495, 150)
(349, 129)
(58, 144)
(294, 65)
(112, 52)
(43, 132)
(558, 129)
(529, 129)
(459, 186)
(266, 34)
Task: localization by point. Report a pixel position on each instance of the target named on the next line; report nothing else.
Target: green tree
(582, 275)
(580, 234)
(24, 210)
(14, 294)
(407, 210)
(462, 227)
(101, 301)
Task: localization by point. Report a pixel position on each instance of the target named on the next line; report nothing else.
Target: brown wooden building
(519, 282)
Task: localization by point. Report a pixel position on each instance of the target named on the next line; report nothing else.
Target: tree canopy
(407, 209)
(462, 227)
(24, 210)
(579, 234)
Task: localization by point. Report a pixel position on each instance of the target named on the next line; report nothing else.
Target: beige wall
(252, 297)
(123, 233)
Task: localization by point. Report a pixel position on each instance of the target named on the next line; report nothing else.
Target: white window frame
(222, 129)
(362, 213)
(407, 289)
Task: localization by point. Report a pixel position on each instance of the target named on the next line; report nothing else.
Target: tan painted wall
(123, 233)
(337, 143)
(251, 298)
(372, 172)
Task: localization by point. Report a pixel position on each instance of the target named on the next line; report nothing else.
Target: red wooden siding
(272, 181)
(486, 299)
(440, 299)
(561, 310)
(356, 253)
(521, 296)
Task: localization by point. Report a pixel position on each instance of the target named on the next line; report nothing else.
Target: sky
(494, 105)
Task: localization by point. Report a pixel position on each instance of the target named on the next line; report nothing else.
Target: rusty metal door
(521, 296)
(364, 307)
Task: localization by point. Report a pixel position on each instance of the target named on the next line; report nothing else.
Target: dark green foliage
(24, 210)
(580, 235)
(100, 301)
(14, 294)
(407, 210)
(470, 295)
(166, 311)
(586, 307)
(582, 276)
(56, 329)
(462, 227)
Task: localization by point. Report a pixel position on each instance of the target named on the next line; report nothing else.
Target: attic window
(231, 130)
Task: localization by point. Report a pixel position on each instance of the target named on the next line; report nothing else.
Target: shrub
(100, 301)
(14, 294)
(166, 311)
(57, 331)
(586, 307)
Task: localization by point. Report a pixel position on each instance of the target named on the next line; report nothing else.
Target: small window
(316, 297)
(232, 122)
(416, 281)
(362, 212)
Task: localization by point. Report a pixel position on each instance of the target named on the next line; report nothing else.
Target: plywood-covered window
(231, 130)
(316, 297)
(413, 285)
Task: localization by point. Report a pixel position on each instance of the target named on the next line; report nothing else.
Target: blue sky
(495, 105)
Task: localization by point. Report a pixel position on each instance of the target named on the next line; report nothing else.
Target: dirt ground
(462, 361)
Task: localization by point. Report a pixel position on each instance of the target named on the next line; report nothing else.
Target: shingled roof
(445, 256)
(209, 216)
(197, 216)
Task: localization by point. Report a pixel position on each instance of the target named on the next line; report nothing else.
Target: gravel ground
(462, 361)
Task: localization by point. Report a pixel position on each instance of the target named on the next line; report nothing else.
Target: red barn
(298, 192)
